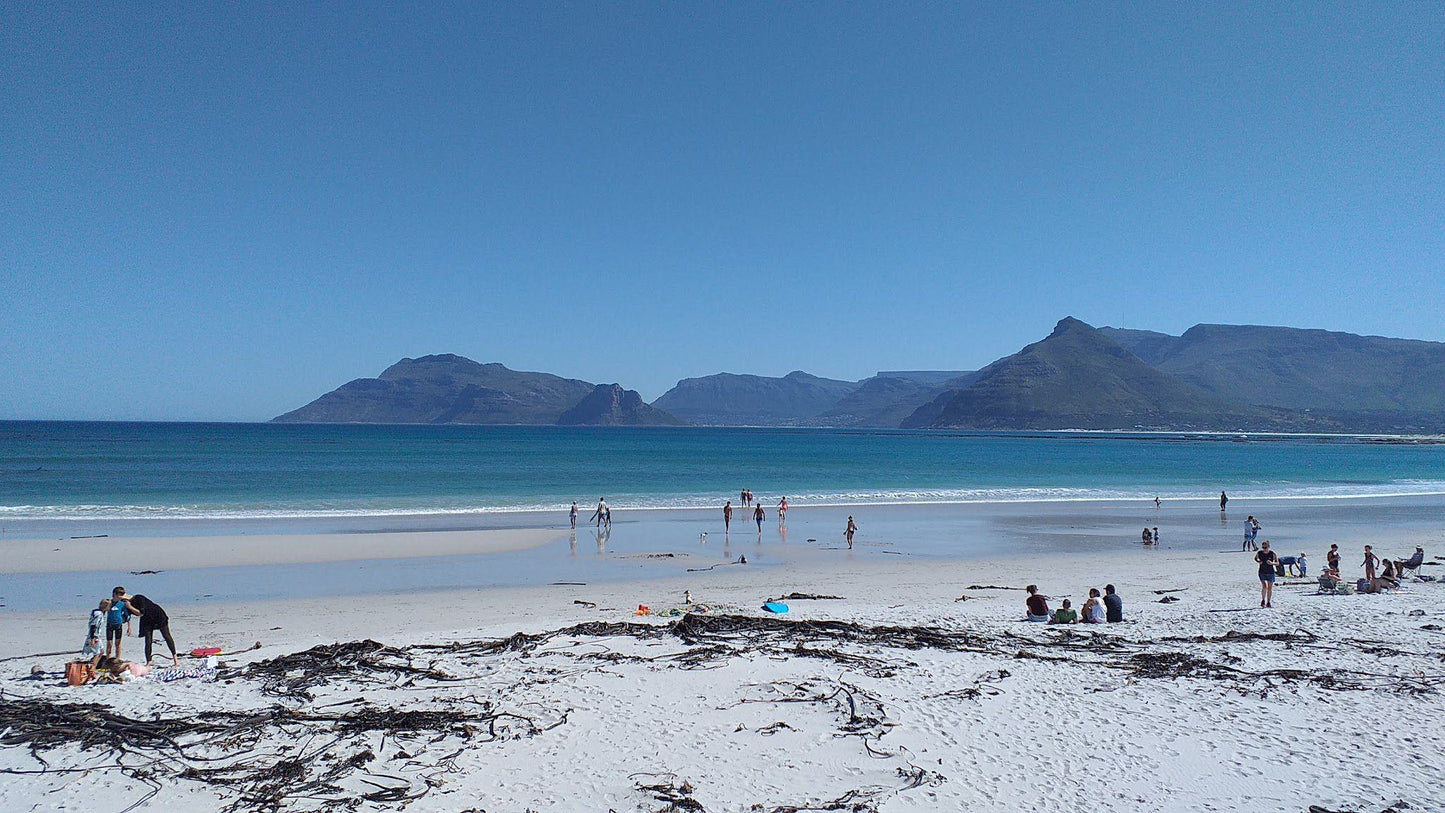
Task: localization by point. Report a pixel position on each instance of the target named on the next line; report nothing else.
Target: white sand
(1053, 735)
(184, 552)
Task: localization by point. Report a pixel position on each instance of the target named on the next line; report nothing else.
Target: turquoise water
(62, 471)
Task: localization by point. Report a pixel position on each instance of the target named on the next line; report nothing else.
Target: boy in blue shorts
(116, 621)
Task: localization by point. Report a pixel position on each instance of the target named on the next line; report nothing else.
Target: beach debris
(1171, 590)
(1168, 599)
(989, 587)
(146, 572)
(963, 597)
(587, 604)
(569, 584)
(807, 597)
(666, 788)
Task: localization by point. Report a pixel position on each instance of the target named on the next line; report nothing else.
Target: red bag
(78, 673)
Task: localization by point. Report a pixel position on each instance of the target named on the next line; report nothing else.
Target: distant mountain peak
(1069, 323)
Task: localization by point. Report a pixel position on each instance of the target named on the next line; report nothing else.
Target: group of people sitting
(1098, 609)
(1380, 574)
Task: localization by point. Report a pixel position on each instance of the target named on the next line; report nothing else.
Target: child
(94, 633)
(117, 621)
(1371, 561)
(1065, 614)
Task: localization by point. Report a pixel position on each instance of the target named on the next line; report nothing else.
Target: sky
(219, 211)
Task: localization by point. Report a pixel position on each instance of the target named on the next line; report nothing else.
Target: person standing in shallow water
(758, 516)
(1268, 562)
(1223, 500)
(572, 515)
(849, 531)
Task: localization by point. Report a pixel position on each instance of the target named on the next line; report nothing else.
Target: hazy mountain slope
(1148, 345)
(751, 400)
(1080, 378)
(611, 405)
(1310, 369)
(886, 400)
(445, 389)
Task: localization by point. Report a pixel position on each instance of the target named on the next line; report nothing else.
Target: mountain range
(1210, 378)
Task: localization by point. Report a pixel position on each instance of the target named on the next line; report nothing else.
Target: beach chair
(1411, 566)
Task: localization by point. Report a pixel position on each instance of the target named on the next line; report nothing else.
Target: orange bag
(78, 673)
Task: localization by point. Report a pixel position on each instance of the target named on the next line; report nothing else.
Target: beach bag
(1362, 586)
(78, 673)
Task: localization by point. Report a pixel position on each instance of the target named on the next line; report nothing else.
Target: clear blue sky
(220, 211)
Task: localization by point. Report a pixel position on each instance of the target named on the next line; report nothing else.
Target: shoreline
(493, 519)
(643, 546)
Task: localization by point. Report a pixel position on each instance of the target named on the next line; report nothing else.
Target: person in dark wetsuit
(1268, 562)
(1223, 500)
(153, 619)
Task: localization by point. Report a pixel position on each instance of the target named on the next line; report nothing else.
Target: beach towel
(183, 673)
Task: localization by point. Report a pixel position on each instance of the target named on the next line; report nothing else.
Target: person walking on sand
(572, 515)
(1223, 500)
(727, 516)
(849, 531)
(1156, 537)
(1268, 563)
(758, 516)
(782, 510)
(600, 513)
(1251, 529)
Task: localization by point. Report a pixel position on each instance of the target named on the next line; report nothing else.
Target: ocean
(63, 471)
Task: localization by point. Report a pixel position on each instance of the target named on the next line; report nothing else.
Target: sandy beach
(898, 694)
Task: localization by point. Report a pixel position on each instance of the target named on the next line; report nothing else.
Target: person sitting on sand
(95, 634)
(1387, 580)
(1268, 562)
(1036, 606)
(1065, 614)
(1148, 536)
(1093, 609)
(1113, 605)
